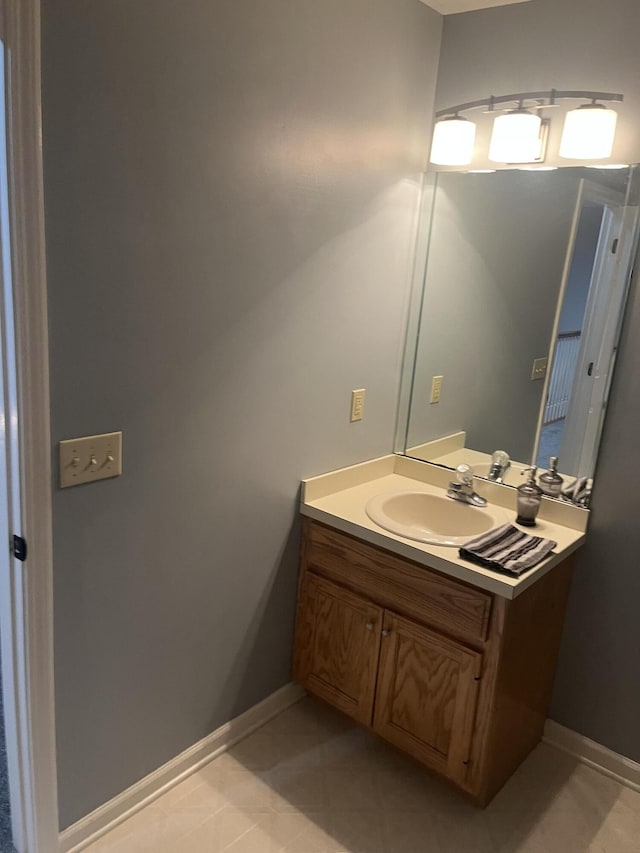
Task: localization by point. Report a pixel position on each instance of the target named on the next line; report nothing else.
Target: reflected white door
(603, 317)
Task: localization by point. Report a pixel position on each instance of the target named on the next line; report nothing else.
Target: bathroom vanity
(450, 662)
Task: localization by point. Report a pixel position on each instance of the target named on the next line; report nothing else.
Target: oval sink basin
(430, 518)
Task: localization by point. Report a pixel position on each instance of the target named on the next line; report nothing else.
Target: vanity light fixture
(519, 134)
(516, 137)
(588, 133)
(453, 141)
(537, 168)
(608, 166)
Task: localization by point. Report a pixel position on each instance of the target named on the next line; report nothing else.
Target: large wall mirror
(515, 325)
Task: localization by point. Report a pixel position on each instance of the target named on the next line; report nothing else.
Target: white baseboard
(87, 830)
(618, 767)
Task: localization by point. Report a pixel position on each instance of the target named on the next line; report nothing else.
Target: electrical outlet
(436, 389)
(357, 404)
(94, 457)
(539, 370)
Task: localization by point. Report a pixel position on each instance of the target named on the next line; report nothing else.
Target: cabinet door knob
(386, 632)
(369, 626)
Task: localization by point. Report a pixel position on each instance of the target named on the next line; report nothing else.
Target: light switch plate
(539, 369)
(94, 457)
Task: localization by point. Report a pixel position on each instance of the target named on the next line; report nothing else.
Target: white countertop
(338, 499)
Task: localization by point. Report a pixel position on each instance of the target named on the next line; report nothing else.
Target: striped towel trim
(508, 549)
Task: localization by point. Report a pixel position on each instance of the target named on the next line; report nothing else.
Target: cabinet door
(337, 646)
(427, 692)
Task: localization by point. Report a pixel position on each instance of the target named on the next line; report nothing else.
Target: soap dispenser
(529, 498)
(551, 482)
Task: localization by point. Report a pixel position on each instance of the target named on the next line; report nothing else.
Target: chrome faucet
(500, 462)
(462, 489)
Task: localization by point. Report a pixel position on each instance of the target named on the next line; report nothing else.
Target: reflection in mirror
(524, 288)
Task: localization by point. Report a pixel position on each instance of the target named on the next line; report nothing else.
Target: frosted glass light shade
(588, 133)
(453, 141)
(515, 138)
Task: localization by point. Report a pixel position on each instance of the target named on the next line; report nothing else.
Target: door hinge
(19, 548)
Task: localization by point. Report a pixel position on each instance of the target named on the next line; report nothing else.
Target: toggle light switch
(94, 457)
(539, 369)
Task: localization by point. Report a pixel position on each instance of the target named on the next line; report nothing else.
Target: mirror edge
(424, 216)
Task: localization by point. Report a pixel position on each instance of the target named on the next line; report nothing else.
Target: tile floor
(312, 782)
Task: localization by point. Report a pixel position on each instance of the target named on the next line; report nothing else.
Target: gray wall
(495, 263)
(593, 45)
(597, 688)
(230, 200)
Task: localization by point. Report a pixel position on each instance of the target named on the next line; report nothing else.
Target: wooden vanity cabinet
(427, 694)
(455, 676)
(340, 645)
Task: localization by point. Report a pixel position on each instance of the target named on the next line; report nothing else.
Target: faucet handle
(463, 490)
(500, 457)
(464, 474)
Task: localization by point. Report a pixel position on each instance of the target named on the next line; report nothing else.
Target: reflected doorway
(572, 315)
(588, 327)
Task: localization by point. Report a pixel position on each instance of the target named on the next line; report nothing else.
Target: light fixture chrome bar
(552, 95)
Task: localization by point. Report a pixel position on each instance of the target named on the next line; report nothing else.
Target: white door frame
(30, 726)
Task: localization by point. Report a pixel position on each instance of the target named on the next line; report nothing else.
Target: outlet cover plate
(436, 389)
(357, 404)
